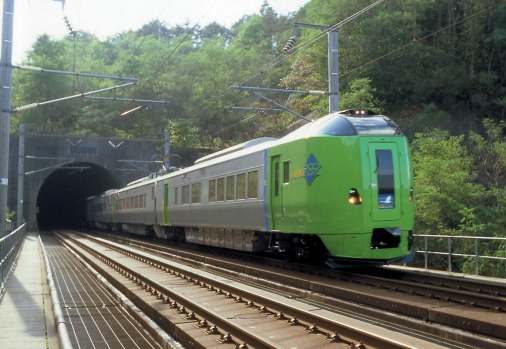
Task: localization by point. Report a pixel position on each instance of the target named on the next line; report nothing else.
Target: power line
(164, 64)
(311, 41)
(298, 48)
(422, 38)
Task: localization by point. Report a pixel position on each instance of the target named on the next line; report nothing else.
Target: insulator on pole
(289, 45)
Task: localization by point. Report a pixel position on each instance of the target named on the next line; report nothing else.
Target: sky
(105, 18)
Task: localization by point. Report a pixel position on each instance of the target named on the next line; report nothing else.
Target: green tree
(447, 198)
(360, 94)
(489, 154)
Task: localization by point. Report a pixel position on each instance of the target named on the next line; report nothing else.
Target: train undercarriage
(298, 247)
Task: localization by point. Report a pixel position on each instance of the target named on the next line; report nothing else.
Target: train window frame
(240, 186)
(220, 189)
(385, 172)
(286, 172)
(185, 194)
(196, 193)
(230, 188)
(176, 195)
(252, 183)
(211, 196)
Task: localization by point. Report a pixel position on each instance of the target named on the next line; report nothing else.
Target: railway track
(461, 309)
(204, 310)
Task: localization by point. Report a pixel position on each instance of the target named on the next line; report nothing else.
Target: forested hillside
(425, 62)
(436, 67)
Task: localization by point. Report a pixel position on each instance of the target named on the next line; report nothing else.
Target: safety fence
(9, 248)
(480, 255)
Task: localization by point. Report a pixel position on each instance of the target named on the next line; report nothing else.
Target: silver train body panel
(218, 202)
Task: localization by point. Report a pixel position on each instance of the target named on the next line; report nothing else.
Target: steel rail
(273, 305)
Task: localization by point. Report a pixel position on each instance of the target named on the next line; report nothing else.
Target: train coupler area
(385, 238)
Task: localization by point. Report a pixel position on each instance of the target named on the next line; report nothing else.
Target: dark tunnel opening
(61, 201)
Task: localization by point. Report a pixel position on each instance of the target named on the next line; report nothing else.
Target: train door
(276, 193)
(385, 181)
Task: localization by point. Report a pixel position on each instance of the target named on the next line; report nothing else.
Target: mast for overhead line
(333, 73)
(333, 62)
(5, 106)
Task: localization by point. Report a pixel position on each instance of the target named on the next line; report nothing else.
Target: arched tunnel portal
(61, 201)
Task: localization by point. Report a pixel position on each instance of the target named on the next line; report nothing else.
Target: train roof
(335, 124)
(339, 124)
(235, 148)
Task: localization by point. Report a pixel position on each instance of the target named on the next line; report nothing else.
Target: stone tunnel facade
(60, 172)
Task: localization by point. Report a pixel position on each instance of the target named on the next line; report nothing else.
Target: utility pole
(5, 106)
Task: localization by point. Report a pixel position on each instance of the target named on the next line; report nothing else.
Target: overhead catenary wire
(277, 60)
(164, 63)
(311, 41)
(348, 19)
(423, 38)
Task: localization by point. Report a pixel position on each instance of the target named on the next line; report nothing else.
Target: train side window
(196, 193)
(230, 187)
(175, 196)
(185, 195)
(253, 185)
(241, 186)
(220, 189)
(286, 172)
(212, 190)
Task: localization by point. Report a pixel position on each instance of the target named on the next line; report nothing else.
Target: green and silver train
(339, 189)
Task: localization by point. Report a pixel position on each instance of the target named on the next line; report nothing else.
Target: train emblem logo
(311, 169)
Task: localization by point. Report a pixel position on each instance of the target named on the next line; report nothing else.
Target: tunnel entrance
(61, 201)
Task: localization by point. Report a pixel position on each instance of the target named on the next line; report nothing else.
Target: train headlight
(354, 197)
(410, 195)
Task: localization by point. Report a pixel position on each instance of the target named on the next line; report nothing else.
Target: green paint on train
(354, 191)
